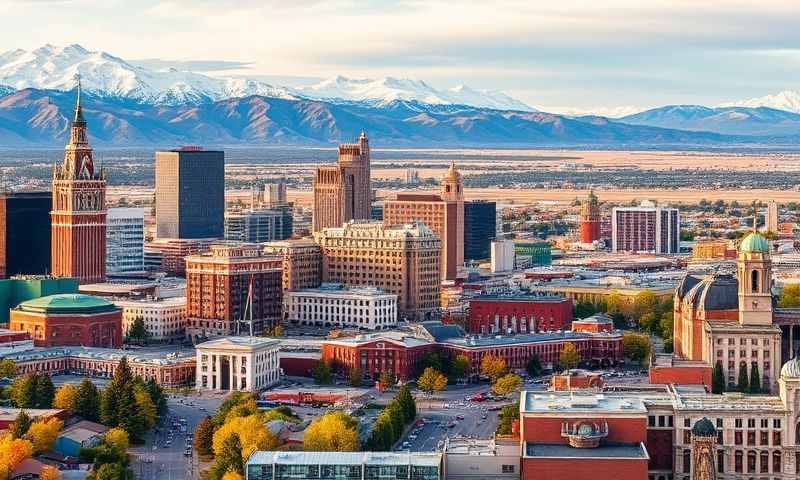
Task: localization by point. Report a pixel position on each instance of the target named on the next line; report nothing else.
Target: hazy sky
(551, 54)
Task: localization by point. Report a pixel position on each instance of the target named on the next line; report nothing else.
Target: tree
(12, 452)
(65, 398)
(8, 368)
(569, 356)
(118, 439)
(493, 367)
(616, 304)
(508, 414)
(87, 401)
(755, 380)
(743, 385)
(49, 473)
(321, 373)
(251, 431)
(203, 437)
(432, 360)
(386, 380)
(534, 366)
(19, 427)
(231, 475)
(118, 405)
(43, 433)
(23, 391)
(407, 403)
(355, 377)
(507, 384)
(332, 432)
(431, 381)
(650, 322)
(636, 347)
(229, 458)
(718, 379)
(156, 395)
(45, 391)
(110, 471)
(137, 333)
(790, 296)
(459, 367)
(645, 302)
(145, 407)
(667, 323)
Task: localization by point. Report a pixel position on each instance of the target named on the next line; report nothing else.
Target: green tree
(744, 384)
(755, 380)
(790, 296)
(203, 436)
(718, 383)
(508, 414)
(569, 356)
(137, 333)
(156, 395)
(645, 302)
(534, 366)
(584, 309)
(386, 380)
(407, 403)
(110, 471)
(87, 401)
(430, 360)
(431, 381)
(651, 322)
(8, 368)
(667, 323)
(615, 304)
(636, 347)
(322, 373)
(459, 367)
(23, 391)
(19, 427)
(118, 406)
(355, 377)
(45, 391)
(229, 458)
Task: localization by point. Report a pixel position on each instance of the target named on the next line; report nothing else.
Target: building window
(737, 465)
(508, 468)
(687, 461)
(651, 421)
(720, 461)
(777, 462)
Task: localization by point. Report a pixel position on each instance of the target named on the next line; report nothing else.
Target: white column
(218, 373)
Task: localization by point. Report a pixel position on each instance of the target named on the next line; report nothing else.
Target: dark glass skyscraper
(480, 225)
(190, 193)
(25, 233)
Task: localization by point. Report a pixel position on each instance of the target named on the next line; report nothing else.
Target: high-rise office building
(443, 213)
(646, 228)
(772, 217)
(590, 219)
(125, 241)
(503, 256)
(480, 228)
(401, 259)
(302, 262)
(78, 217)
(259, 225)
(275, 194)
(25, 233)
(342, 192)
(190, 193)
(233, 290)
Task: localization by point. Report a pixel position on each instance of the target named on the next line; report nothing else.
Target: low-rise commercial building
(518, 313)
(333, 305)
(164, 318)
(237, 363)
(344, 465)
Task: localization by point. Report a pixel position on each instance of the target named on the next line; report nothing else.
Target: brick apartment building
(519, 314)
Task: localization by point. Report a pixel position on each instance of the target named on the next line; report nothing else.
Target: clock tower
(78, 218)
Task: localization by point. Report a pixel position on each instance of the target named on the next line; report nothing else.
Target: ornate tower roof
(704, 428)
(754, 242)
(791, 369)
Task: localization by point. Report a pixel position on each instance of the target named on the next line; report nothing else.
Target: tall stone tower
(78, 218)
(590, 219)
(453, 196)
(754, 270)
(343, 192)
(704, 437)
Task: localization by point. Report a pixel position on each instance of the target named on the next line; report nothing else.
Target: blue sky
(566, 54)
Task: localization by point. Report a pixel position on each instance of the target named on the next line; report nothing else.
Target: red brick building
(490, 314)
(78, 218)
(594, 324)
(69, 319)
(590, 219)
(374, 354)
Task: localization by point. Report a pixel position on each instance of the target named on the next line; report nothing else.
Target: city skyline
(633, 57)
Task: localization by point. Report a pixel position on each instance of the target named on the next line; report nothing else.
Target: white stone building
(124, 241)
(164, 318)
(333, 305)
(503, 257)
(237, 363)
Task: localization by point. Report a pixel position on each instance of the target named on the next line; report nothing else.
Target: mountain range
(128, 104)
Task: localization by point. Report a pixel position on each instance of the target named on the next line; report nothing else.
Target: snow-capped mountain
(102, 74)
(788, 100)
(385, 90)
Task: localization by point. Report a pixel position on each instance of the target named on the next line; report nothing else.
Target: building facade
(646, 228)
(233, 290)
(25, 233)
(247, 364)
(480, 228)
(772, 217)
(443, 214)
(78, 217)
(342, 192)
(402, 260)
(168, 255)
(275, 194)
(259, 225)
(164, 318)
(590, 219)
(302, 262)
(503, 256)
(489, 314)
(190, 193)
(125, 241)
(281, 465)
(332, 305)
(69, 319)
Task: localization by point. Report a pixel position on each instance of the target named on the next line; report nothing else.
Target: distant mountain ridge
(755, 121)
(788, 100)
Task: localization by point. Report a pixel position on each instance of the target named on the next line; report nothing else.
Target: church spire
(78, 110)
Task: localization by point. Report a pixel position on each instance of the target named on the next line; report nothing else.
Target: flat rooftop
(345, 458)
(156, 356)
(573, 402)
(629, 451)
(531, 297)
(497, 340)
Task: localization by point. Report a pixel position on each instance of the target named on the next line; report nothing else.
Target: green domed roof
(754, 243)
(67, 303)
(704, 428)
